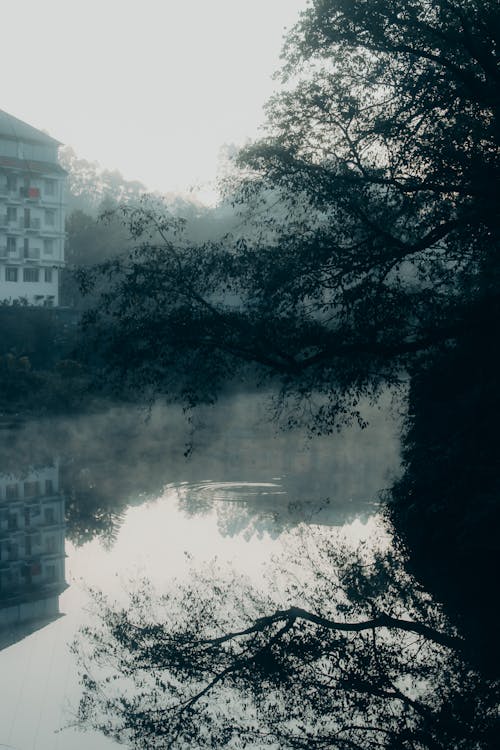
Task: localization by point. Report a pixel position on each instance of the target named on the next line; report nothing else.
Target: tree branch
(292, 614)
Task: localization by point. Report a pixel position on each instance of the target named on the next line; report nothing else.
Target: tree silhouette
(381, 162)
(363, 659)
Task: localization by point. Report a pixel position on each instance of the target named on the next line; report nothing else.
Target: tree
(379, 261)
(89, 241)
(90, 186)
(362, 659)
(382, 156)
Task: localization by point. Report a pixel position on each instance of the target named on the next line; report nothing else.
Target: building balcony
(13, 256)
(51, 231)
(30, 193)
(12, 225)
(32, 225)
(14, 198)
(33, 254)
(52, 201)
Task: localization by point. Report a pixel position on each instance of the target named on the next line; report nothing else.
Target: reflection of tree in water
(116, 459)
(347, 652)
(255, 510)
(108, 462)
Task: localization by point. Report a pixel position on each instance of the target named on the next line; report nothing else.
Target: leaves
(217, 663)
(369, 215)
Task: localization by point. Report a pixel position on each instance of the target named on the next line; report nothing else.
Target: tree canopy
(381, 160)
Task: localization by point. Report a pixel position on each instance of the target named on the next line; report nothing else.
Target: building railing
(33, 224)
(32, 193)
(33, 253)
(12, 224)
(6, 221)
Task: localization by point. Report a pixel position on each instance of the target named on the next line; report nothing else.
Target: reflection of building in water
(32, 570)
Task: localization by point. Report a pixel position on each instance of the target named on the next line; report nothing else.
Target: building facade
(32, 215)
(32, 555)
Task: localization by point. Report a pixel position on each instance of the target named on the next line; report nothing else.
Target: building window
(10, 274)
(50, 545)
(50, 218)
(48, 275)
(11, 245)
(12, 521)
(50, 573)
(49, 187)
(29, 191)
(11, 183)
(26, 246)
(31, 489)
(31, 274)
(49, 516)
(11, 214)
(48, 246)
(49, 487)
(12, 490)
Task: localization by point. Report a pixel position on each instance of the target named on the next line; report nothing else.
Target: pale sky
(153, 88)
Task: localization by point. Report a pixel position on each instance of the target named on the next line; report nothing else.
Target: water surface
(105, 499)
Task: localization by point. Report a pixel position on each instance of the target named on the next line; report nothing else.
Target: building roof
(12, 127)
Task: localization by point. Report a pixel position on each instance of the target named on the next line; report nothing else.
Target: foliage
(90, 186)
(451, 452)
(381, 161)
(350, 654)
(95, 233)
(37, 373)
(445, 505)
(30, 332)
(89, 241)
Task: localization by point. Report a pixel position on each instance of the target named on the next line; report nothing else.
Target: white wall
(12, 290)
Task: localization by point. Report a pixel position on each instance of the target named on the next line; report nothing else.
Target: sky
(153, 88)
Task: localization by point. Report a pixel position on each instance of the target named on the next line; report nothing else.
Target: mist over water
(149, 496)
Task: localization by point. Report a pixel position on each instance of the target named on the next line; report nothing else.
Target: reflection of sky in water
(240, 515)
(39, 685)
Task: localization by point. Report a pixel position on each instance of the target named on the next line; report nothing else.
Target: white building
(32, 556)
(32, 200)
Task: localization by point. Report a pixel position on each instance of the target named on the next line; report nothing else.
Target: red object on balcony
(33, 192)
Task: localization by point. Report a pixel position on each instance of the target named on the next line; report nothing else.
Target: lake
(100, 500)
